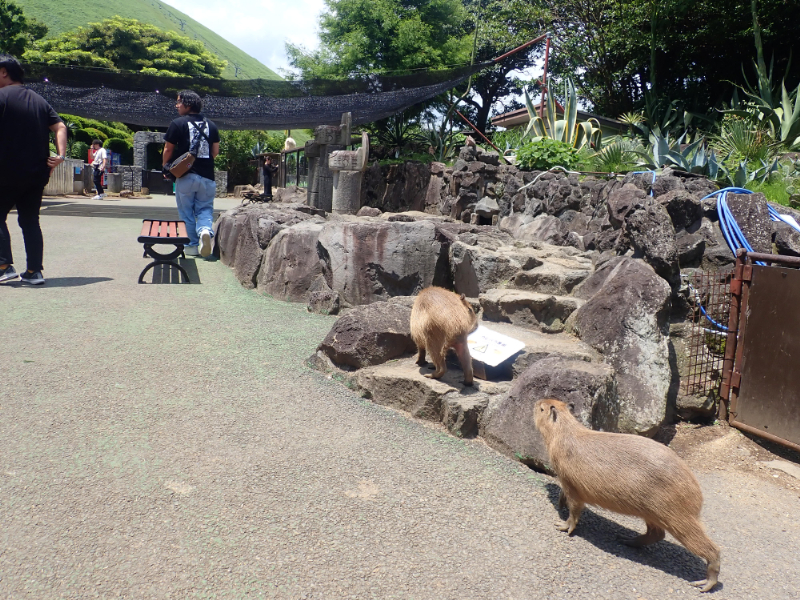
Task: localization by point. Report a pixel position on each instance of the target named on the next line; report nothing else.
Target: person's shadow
(63, 282)
(605, 534)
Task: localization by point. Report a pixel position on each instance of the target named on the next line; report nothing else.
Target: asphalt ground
(166, 441)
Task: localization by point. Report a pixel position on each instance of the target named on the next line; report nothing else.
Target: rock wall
(586, 272)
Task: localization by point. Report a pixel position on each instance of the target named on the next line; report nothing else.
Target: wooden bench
(163, 232)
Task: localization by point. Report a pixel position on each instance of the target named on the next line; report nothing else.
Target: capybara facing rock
(627, 474)
(441, 320)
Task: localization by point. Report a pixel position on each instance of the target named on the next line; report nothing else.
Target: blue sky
(259, 27)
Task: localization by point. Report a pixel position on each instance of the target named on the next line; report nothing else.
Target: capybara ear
(571, 407)
(463, 297)
(553, 413)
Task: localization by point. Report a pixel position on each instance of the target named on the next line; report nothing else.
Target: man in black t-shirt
(26, 121)
(195, 191)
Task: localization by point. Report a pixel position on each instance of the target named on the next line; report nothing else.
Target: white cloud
(259, 27)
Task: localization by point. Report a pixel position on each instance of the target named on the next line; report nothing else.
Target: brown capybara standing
(628, 474)
(441, 320)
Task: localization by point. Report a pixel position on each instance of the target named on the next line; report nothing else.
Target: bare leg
(421, 357)
(575, 510)
(691, 534)
(465, 359)
(654, 534)
(438, 357)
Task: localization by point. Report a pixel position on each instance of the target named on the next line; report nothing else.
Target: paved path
(166, 441)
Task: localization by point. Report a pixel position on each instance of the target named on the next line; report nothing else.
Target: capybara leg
(438, 358)
(421, 357)
(575, 510)
(654, 534)
(691, 534)
(562, 500)
(462, 349)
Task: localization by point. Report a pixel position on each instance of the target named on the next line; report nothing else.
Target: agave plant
(568, 129)
(693, 158)
(743, 175)
(781, 120)
(618, 155)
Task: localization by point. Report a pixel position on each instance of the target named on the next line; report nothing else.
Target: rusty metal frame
(735, 343)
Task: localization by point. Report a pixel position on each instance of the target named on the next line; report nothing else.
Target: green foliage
(691, 52)
(692, 158)
(17, 31)
(89, 134)
(542, 154)
(236, 153)
(740, 140)
(396, 132)
(781, 119)
(568, 129)
(79, 150)
(122, 147)
(378, 36)
(442, 146)
(128, 44)
(62, 17)
(618, 156)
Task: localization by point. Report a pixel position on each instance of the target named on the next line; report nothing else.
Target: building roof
(520, 117)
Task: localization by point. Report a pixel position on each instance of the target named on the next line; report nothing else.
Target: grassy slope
(61, 16)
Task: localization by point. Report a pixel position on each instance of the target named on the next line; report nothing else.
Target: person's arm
(215, 150)
(61, 145)
(166, 156)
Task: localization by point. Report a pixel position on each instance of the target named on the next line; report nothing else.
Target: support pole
(478, 131)
(544, 77)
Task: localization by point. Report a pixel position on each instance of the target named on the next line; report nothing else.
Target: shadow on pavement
(164, 274)
(74, 281)
(605, 534)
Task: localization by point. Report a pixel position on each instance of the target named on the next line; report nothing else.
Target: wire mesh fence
(710, 298)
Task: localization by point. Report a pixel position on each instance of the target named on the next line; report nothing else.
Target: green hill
(64, 16)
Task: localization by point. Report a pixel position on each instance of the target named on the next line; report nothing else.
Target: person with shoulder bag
(190, 146)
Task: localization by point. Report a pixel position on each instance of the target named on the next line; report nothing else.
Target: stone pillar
(141, 139)
(348, 169)
(221, 179)
(327, 139)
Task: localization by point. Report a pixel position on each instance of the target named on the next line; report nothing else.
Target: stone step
(532, 310)
(551, 278)
(401, 383)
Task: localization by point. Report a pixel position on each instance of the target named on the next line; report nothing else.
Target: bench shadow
(165, 274)
(669, 557)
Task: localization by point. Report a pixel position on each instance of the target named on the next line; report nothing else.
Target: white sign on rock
(491, 347)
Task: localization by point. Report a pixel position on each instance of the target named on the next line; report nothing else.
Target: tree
(384, 36)
(693, 51)
(381, 36)
(502, 25)
(17, 31)
(127, 44)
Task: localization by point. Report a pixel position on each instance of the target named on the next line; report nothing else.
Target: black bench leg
(163, 259)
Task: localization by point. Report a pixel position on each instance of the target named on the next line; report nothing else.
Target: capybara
(441, 320)
(628, 474)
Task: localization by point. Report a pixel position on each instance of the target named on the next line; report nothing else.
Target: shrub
(79, 150)
(122, 147)
(545, 153)
(88, 134)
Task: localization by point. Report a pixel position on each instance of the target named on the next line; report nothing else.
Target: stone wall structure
(585, 271)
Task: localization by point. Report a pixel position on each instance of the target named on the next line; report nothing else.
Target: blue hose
(642, 173)
(727, 222)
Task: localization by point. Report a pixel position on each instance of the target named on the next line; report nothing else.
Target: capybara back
(440, 320)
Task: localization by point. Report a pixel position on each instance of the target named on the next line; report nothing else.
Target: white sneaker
(96, 197)
(191, 251)
(205, 243)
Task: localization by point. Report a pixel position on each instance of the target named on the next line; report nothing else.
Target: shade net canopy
(149, 100)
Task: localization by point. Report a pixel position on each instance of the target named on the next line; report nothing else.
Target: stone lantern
(348, 169)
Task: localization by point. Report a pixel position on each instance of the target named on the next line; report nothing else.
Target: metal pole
(478, 131)
(544, 77)
(525, 45)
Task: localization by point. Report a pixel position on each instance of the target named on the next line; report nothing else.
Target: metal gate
(761, 372)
